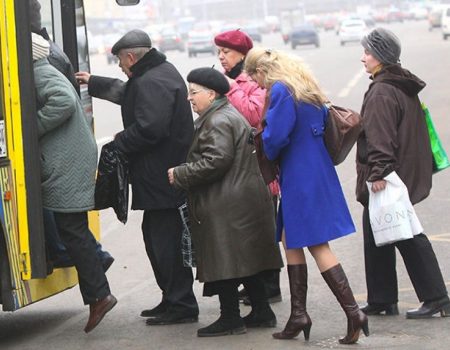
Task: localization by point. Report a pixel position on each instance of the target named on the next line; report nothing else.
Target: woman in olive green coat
(230, 207)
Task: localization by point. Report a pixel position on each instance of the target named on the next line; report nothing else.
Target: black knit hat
(132, 39)
(209, 78)
(383, 45)
(35, 16)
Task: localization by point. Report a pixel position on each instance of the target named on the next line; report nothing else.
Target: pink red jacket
(248, 98)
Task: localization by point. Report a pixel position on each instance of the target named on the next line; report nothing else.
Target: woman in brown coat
(230, 207)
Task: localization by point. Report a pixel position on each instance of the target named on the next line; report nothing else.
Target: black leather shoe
(156, 311)
(377, 309)
(223, 326)
(172, 317)
(430, 308)
(107, 262)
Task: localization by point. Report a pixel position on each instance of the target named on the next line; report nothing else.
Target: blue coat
(312, 208)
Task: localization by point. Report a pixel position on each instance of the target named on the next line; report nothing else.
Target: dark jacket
(230, 207)
(158, 127)
(395, 135)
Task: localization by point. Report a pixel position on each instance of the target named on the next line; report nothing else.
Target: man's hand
(378, 185)
(82, 77)
(171, 176)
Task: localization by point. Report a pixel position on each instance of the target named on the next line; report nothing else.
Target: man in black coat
(158, 130)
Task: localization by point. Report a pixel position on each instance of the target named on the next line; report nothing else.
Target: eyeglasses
(195, 92)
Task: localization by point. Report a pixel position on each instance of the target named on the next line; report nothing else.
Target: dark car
(170, 40)
(304, 35)
(199, 42)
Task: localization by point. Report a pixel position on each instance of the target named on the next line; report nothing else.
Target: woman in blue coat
(312, 208)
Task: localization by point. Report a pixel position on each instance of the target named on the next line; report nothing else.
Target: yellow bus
(24, 274)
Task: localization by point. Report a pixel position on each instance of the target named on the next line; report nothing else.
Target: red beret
(234, 39)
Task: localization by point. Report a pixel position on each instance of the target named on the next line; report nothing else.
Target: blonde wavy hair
(287, 69)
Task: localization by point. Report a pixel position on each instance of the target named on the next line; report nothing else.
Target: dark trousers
(420, 261)
(162, 231)
(252, 284)
(80, 244)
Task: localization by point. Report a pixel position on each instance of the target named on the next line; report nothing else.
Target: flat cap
(234, 39)
(209, 78)
(134, 38)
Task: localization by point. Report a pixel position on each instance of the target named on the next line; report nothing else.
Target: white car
(352, 30)
(445, 22)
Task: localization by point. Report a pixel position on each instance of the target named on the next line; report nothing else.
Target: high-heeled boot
(299, 319)
(356, 319)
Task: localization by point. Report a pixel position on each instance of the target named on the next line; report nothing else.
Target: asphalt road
(57, 323)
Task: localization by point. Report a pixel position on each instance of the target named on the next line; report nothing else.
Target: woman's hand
(171, 176)
(378, 185)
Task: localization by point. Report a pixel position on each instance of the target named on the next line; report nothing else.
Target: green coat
(67, 143)
(230, 207)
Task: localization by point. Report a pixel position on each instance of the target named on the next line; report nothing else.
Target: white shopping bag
(392, 216)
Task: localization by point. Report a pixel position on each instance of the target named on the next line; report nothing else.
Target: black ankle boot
(430, 308)
(260, 318)
(377, 309)
(223, 326)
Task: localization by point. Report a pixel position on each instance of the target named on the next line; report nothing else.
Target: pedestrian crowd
(211, 164)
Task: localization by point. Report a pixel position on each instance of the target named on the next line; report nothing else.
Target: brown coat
(230, 207)
(395, 136)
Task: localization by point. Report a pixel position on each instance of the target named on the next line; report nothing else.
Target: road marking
(443, 237)
(345, 91)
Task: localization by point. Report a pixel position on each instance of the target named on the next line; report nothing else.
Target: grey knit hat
(383, 45)
(40, 47)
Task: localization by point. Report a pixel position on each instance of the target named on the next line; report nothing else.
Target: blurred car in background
(253, 32)
(170, 40)
(435, 17)
(445, 22)
(200, 42)
(305, 34)
(352, 30)
(329, 23)
(109, 40)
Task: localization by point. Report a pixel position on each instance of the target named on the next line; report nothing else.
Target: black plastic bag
(111, 187)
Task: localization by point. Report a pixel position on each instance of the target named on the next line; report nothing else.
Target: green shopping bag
(440, 159)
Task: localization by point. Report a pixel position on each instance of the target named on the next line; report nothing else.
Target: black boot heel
(365, 328)
(306, 331)
(445, 311)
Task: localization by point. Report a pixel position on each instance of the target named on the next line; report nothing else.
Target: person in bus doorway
(58, 59)
(248, 98)
(158, 129)
(312, 210)
(395, 138)
(68, 166)
(230, 207)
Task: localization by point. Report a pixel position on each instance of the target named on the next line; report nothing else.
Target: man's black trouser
(80, 244)
(420, 261)
(162, 231)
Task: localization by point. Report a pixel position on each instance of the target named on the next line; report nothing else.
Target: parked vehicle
(352, 30)
(304, 35)
(200, 42)
(170, 40)
(289, 19)
(445, 22)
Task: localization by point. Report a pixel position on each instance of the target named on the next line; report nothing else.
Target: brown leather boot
(356, 319)
(299, 319)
